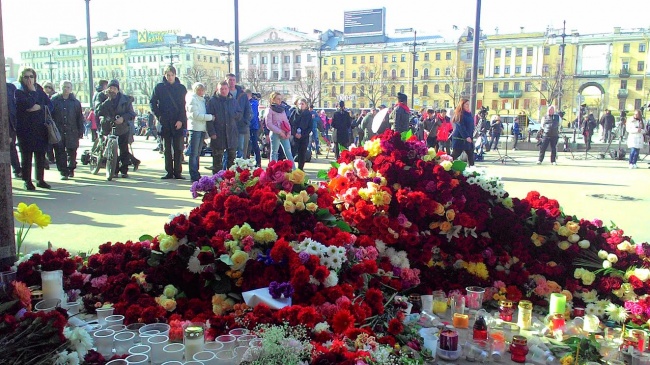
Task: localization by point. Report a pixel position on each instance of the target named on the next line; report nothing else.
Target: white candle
(192, 346)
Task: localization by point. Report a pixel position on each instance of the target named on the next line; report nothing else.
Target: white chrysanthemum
(314, 249)
(590, 296)
(331, 280)
(612, 258)
(194, 265)
(332, 250)
(65, 358)
(380, 245)
(80, 340)
(591, 309)
(341, 251)
(616, 313)
(602, 254)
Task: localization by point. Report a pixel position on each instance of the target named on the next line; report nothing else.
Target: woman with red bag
(278, 123)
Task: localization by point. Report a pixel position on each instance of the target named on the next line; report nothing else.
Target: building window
(333, 61)
(497, 70)
(384, 74)
(392, 90)
(518, 52)
(547, 51)
(495, 87)
(626, 48)
(342, 61)
(436, 89)
(506, 70)
(497, 53)
(517, 86)
(362, 75)
(639, 85)
(286, 75)
(425, 90)
(448, 71)
(480, 70)
(324, 61)
(393, 74)
(275, 60)
(333, 75)
(437, 72)
(626, 65)
(425, 72)
(426, 56)
(354, 90)
(544, 86)
(437, 56)
(341, 75)
(403, 58)
(275, 75)
(402, 73)
(372, 59)
(363, 59)
(529, 52)
(354, 74)
(362, 91)
(517, 69)
(640, 66)
(309, 58)
(623, 84)
(416, 73)
(447, 88)
(354, 60)
(298, 75)
(508, 52)
(415, 90)
(641, 47)
(447, 104)
(394, 58)
(401, 89)
(621, 104)
(468, 55)
(297, 59)
(529, 69)
(545, 68)
(637, 104)
(506, 86)
(448, 56)
(479, 87)
(384, 59)
(528, 86)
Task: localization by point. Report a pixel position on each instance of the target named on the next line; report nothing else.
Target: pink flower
(99, 282)
(359, 164)
(597, 222)
(363, 173)
(499, 284)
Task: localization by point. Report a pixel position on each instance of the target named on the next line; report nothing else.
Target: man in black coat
(607, 121)
(168, 104)
(223, 131)
(341, 122)
(69, 118)
(13, 153)
(244, 106)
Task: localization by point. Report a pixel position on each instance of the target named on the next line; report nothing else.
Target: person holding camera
(550, 136)
(495, 131)
(116, 110)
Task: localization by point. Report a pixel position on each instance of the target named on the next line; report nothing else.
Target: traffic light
(523, 120)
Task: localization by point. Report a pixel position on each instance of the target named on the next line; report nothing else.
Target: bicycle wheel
(111, 159)
(95, 157)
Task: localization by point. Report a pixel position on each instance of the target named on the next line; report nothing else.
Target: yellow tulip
(31, 214)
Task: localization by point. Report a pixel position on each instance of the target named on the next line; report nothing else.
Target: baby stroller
(479, 148)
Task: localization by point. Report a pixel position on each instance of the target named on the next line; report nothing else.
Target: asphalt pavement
(87, 210)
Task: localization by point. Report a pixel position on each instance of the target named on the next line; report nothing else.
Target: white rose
(642, 274)
(612, 258)
(578, 273)
(607, 264)
(574, 238)
(563, 245)
(602, 254)
(588, 278)
(584, 244)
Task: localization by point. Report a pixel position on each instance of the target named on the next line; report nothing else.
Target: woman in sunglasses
(30, 127)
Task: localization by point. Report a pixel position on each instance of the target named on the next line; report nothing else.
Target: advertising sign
(364, 22)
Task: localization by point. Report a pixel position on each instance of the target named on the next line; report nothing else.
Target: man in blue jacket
(243, 124)
(168, 104)
(254, 100)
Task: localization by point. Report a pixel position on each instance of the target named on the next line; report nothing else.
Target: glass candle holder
(519, 349)
(525, 315)
(193, 339)
(557, 322)
(457, 304)
(474, 299)
(439, 302)
(578, 312)
(427, 303)
(506, 310)
(52, 284)
(416, 302)
(174, 351)
(103, 340)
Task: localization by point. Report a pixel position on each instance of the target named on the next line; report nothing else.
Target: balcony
(622, 94)
(425, 77)
(625, 72)
(506, 94)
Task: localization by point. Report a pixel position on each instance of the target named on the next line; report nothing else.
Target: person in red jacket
(444, 131)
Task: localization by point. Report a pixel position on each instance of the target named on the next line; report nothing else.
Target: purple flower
(205, 184)
(304, 257)
(277, 290)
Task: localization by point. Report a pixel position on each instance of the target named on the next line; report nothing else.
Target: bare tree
(552, 83)
(455, 82)
(256, 78)
(309, 87)
(202, 75)
(372, 83)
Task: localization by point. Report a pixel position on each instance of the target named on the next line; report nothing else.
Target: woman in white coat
(196, 125)
(635, 131)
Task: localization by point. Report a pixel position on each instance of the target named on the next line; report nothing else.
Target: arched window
(426, 72)
(416, 73)
(362, 91)
(384, 74)
(401, 89)
(402, 73)
(341, 90)
(342, 74)
(333, 90)
(362, 75)
(333, 75)
(325, 75)
(436, 89)
(447, 88)
(326, 104)
(415, 90)
(384, 90)
(448, 71)
(425, 90)
(354, 90)
(354, 74)
(392, 90)
(393, 74)
(437, 73)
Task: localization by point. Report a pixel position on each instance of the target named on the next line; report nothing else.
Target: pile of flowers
(391, 218)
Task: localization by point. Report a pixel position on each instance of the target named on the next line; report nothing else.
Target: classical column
(269, 64)
(513, 57)
(291, 72)
(524, 60)
(280, 66)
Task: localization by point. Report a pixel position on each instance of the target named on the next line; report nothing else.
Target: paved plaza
(88, 210)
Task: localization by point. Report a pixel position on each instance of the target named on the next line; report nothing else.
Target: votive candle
(557, 304)
(193, 339)
(460, 320)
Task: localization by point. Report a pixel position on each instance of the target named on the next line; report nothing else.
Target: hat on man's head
(401, 97)
(114, 83)
(341, 104)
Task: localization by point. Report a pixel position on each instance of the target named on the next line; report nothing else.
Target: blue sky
(25, 20)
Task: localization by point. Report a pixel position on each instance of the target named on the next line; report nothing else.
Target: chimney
(66, 38)
(617, 30)
(42, 41)
(102, 36)
(521, 29)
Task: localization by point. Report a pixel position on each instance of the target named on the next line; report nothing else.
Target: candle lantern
(193, 338)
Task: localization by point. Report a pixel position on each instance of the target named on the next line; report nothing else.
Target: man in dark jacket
(115, 109)
(168, 104)
(551, 130)
(69, 118)
(11, 107)
(223, 131)
(341, 122)
(400, 115)
(245, 107)
(254, 127)
(607, 121)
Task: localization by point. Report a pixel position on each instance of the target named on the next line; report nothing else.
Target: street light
(320, 56)
(227, 58)
(561, 70)
(414, 53)
(90, 56)
(171, 56)
(51, 65)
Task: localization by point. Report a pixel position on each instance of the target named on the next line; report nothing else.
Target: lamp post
(228, 59)
(50, 65)
(319, 53)
(171, 56)
(477, 37)
(90, 55)
(560, 92)
(414, 53)
(236, 42)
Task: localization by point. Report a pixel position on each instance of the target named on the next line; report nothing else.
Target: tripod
(505, 157)
(565, 147)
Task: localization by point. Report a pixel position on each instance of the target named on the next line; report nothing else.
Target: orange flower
(22, 293)
(454, 183)
(339, 184)
(445, 226)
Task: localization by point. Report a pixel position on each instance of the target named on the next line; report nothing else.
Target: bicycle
(104, 152)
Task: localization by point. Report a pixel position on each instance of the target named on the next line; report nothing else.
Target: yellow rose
(563, 231)
(140, 278)
(312, 207)
(625, 246)
(564, 245)
(446, 165)
(573, 227)
(440, 209)
(297, 176)
(300, 206)
(445, 226)
(289, 206)
(170, 291)
(556, 226)
(168, 243)
(239, 259)
(304, 196)
(451, 214)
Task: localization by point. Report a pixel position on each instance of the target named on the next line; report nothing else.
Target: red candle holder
(578, 312)
(449, 340)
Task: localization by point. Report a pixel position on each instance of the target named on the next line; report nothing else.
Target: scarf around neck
(277, 108)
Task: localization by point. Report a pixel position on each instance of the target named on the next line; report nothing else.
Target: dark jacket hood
(178, 81)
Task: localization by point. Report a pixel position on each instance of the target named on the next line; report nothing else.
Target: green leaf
(406, 135)
(145, 237)
(226, 259)
(343, 226)
(459, 165)
(335, 164)
(322, 174)
(342, 148)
